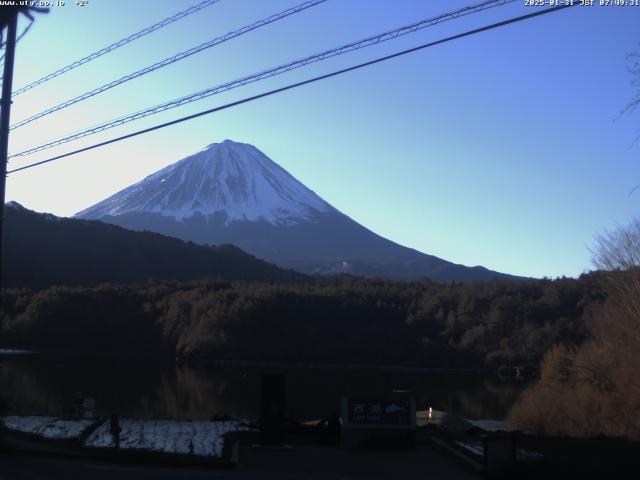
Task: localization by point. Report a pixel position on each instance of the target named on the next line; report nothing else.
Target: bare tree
(634, 70)
(596, 387)
(618, 250)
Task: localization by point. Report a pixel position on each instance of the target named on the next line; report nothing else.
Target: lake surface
(43, 384)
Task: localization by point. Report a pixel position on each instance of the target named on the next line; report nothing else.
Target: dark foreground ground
(314, 454)
(309, 462)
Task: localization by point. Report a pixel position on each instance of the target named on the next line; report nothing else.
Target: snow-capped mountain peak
(233, 179)
(232, 193)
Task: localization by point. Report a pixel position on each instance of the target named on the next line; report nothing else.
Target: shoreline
(196, 363)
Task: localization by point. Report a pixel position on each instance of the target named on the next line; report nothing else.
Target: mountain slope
(43, 250)
(232, 193)
(233, 179)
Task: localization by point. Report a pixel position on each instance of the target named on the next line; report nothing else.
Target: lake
(45, 384)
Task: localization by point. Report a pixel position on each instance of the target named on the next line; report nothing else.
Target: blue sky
(504, 149)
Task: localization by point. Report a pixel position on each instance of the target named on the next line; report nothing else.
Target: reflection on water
(47, 385)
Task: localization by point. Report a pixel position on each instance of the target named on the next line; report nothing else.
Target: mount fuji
(231, 192)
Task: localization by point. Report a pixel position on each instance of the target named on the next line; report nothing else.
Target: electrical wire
(298, 84)
(366, 42)
(24, 32)
(118, 44)
(168, 61)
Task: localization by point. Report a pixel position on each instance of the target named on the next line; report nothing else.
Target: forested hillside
(43, 250)
(340, 320)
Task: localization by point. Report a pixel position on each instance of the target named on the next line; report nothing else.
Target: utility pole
(8, 19)
(5, 112)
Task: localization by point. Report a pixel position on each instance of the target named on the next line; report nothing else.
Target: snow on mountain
(232, 193)
(233, 179)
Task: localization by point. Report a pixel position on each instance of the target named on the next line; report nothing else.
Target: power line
(118, 44)
(299, 84)
(175, 58)
(24, 32)
(372, 40)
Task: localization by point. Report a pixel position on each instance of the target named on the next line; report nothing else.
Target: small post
(272, 409)
(78, 405)
(114, 429)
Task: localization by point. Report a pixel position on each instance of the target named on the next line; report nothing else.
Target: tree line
(345, 319)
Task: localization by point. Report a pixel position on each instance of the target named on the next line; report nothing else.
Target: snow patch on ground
(476, 448)
(490, 425)
(200, 438)
(47, 427)
(529, 455)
